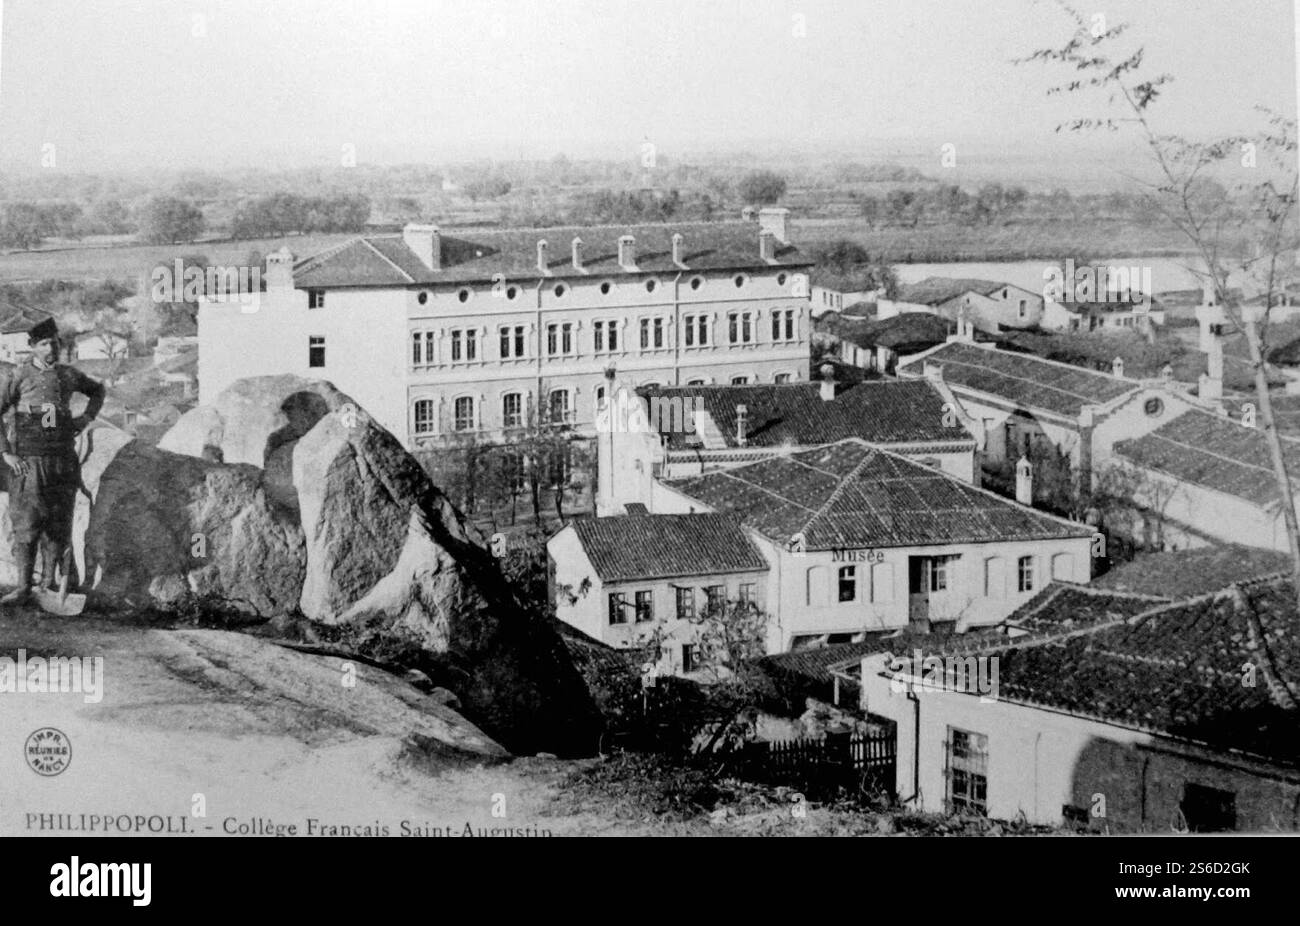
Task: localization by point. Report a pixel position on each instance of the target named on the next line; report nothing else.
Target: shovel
(60, 602)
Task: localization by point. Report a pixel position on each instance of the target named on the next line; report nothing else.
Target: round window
(463, 295)
(650, 285)
(560, 290)
(512, 292)
(605, 288)
(1154, 407)
(697, 282)
(739, 280)
(780, 279)
(422, 298)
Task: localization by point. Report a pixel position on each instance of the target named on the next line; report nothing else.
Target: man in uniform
(44, 473)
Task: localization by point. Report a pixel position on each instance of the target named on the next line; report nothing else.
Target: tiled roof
(1064, 606)
(664, 546)
(19, 319)
(910, 332)
(1212, 451)
(1188, 573)
(934, 290)
(1177, 670)
(851, 494)
(794, 414)
(477, 256)
(1028, 382)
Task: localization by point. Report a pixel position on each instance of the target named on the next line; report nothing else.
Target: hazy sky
(233, 82)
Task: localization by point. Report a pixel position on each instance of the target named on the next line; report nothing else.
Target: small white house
(637, 580)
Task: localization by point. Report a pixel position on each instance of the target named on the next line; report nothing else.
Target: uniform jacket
(40, 400)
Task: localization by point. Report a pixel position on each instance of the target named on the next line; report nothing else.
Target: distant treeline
(285, 213)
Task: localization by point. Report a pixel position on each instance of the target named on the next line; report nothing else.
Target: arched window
(558, 406)
(512, 410)
(464, 414)
(425, 416)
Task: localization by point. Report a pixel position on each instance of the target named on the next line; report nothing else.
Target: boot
(49, 560)
(24, 560)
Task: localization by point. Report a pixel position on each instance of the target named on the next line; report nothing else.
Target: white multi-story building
(478, 332)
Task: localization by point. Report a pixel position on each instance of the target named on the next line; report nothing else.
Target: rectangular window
(618, 607)
(645, 334)
(315, 298)
(645, 610)
(940, 573)
(1025, 570)
(783, 325)
(552, 339)
(702, 330)
(689, 657)
(740, 328)
(740, 380)
(512, 410)
(715, 596)
(512, 341)
(416, 353)
(566, 338)
(471, 344)
(968, 782)
(994, 581)
(848, 583)
(1024, 308)
(747, 590)
(789, 325)
(685, 604)
(428, 347)
(457, 345)
(659, 332)
(598, 337)
(559, 406)
(315, 351)
(688, 331)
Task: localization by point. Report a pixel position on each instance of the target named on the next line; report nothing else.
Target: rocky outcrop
(382, 550)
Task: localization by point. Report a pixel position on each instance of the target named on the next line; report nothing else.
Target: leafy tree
(761, 187)
(169, 220)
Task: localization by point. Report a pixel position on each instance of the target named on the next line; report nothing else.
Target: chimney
(577, 253)
(1025, 482)
(766, 246)
(426, 242)
(828, 382)
(279, 270)
(627, 252)
(1117, 367)
(742, 425)
(772, 219)
(678, 240)
(542, 264)
(1210, 385)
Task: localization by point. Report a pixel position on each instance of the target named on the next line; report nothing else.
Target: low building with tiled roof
(644, 579)
(1180, 717)
(685, 430)
(1024, 402)
(1204, 477)
(991, 305)
(441, 334)
(879, 344)
(864, 540)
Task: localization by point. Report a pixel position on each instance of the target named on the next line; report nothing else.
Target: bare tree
(1257, 241)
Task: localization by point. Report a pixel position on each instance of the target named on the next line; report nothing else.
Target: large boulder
(384, 553)
(166, 526)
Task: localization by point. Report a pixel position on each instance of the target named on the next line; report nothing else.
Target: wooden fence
(862, 764)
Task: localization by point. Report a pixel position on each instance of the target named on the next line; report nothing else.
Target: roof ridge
(382, 256)
(840, 487)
